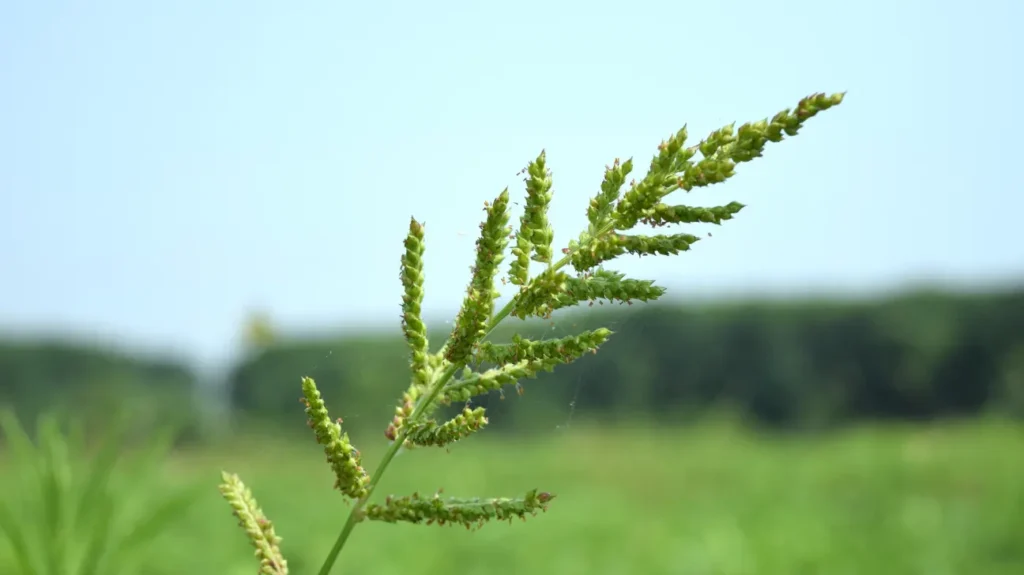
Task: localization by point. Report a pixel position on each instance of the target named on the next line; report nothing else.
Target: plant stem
(356, 515)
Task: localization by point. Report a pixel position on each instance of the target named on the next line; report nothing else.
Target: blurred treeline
(794, 364)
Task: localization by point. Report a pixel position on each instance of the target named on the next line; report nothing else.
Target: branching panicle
(434, 380)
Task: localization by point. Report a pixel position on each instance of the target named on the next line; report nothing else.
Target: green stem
(356, 515)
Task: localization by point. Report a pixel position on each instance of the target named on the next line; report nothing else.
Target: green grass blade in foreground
(97, 547)
(54, 482)
(10, 527)
(160, 509)
(160, 515)
(117, 537)
(79, 502)
(21, 451)
(97, 506)
(98, 470)
(21, 457)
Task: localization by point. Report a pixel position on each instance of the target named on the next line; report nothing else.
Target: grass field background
(938, 499)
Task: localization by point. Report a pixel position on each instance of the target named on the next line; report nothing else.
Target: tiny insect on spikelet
(449, 376)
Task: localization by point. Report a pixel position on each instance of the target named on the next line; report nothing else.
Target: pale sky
(167, 166)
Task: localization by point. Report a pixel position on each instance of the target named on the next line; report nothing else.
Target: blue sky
(165, 167)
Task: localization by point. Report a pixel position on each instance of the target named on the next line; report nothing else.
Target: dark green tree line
(790, 364)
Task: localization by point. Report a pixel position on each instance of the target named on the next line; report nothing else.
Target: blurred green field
(929, 500)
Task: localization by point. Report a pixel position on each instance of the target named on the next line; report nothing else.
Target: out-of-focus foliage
(91, 383)
(877, 500)
(69, 504)
(793, 364)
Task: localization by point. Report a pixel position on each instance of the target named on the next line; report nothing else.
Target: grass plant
(469, 365)
(72, 508)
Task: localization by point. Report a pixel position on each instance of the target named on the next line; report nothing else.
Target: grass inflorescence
(454, 373)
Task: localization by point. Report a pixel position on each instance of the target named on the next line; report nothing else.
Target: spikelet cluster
(257, 527)
(412, 298)
(533, 242)
(349, 476)
(453, 511)
(471, 325)
(459, 427)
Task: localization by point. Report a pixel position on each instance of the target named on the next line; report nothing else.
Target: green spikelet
(350, 477)
(412, 298)
(471, 323)
(533, 242)
(258, 528)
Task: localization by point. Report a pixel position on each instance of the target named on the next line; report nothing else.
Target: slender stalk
(356, 513)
